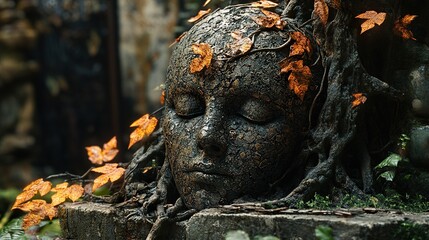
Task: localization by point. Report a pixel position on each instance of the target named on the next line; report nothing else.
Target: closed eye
(188, 105)
(257, 111)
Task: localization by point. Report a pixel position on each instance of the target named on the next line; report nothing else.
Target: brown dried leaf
(145, 126)
(264, 4)
(200, 14)
(38, 209)
(299, 77)
(270, 20)
(372, 18)
(31, 189)
(240, 45)
(321, 9)
(359, 99)
(400, 27)
(99, 156)
(111, 172)
(205, 58)
(301, 45)
(74, 192)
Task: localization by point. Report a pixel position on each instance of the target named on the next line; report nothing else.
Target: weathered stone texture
(103, 221)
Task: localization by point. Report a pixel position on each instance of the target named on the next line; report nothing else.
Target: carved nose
(211, 138)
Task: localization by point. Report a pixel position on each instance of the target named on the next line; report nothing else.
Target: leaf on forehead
(178, 39)
(270, 20)
(299, 75)
(62, 192)
(110, 172)
(321, 10)
(99, 156)
(400, 27)
(145, 127)
(43, 187)
(205, 58)
(200, 14)
(359, 99)
(240, 45)
(207, 2)
(301, 45)
(372, 18)
(264, 4)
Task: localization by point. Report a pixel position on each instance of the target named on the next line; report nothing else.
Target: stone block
(103, 221)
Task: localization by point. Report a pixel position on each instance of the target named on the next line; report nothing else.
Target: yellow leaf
(145, 126)
(74, 192)
(200, 14)
(31, 189)
(110, 172)
(99, 156)
(205, 58)
(372, 18)
(38, 210)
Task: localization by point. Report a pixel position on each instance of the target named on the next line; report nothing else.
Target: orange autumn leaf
(322, 11)
(270, 20)
(207, 2)
(145, 126)
(162, 98)
(301, 45)
(359, 99)
(200, 14)
(38, 210)
(205, 58)
(62, 192)
(264, 4)
(335, 4)
(372, 18)
(240, 45)
(31, 189)
(299, 77)
(400, 27)
(99, 156)
(110, 172)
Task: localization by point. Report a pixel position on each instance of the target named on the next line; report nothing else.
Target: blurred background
(74, 73)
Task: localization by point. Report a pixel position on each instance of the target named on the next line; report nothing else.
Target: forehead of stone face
(260, 68)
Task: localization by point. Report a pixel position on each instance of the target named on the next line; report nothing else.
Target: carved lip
(207, 169)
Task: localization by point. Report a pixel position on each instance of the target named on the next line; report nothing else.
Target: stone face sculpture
(233, 129)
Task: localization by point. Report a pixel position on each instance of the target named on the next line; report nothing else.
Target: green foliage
(323, 232)
(391, 200)
(403, 141)
(12, 230)
(388, 166)
(411, 231)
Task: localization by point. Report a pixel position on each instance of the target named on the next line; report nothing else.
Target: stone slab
(103, 221)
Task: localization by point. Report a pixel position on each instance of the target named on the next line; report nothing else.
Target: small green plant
(403, 141)
(323, 232)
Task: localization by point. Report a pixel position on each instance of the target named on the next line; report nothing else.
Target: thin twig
(322, 85)
(273, 48)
